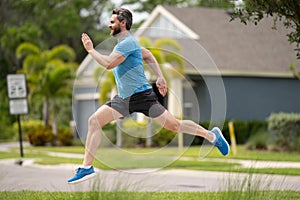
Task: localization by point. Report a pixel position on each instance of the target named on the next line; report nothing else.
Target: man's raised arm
(152, 62)
(108, 62)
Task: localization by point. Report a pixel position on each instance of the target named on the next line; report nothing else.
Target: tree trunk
(46, 112)
(53, 114)
(54, 127)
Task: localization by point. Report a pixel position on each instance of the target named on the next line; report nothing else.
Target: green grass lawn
(167, 158)
(258, 195)
(151, 157)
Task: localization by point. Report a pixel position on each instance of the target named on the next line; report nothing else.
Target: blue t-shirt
(129, 75)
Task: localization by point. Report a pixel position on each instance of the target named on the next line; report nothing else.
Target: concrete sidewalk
(34, 177)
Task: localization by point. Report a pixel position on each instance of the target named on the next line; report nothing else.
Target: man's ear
(123, 22)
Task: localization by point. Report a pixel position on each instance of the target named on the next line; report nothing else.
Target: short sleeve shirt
(129, 75)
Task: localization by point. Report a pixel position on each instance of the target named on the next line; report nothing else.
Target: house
(232, 71)
(251, 61)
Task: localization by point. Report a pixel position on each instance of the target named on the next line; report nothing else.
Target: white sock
(86, 167)
(214, 137)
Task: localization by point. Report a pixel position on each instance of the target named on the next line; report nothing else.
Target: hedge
(134, 134)
(35, 132)
(284, 130)
(243, 130)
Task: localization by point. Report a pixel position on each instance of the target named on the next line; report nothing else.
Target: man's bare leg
(100, 118)
(97, 121)
(215, 136)
(168, 121)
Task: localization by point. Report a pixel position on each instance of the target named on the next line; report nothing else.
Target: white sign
(16, 85)
(18, 106)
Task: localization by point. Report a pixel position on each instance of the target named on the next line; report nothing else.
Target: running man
(135, 94)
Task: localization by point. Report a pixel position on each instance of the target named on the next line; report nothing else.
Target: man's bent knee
(93, 122)
(173, 126)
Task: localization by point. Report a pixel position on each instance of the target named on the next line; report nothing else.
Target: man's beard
(116, 31)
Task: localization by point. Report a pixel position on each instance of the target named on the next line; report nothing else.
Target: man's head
(120, 20)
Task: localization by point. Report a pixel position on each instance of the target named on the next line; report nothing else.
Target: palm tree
(49, 74)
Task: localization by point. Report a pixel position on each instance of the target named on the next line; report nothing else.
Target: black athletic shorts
(144, 102)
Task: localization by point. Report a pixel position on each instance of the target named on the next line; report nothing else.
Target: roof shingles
(234, 46)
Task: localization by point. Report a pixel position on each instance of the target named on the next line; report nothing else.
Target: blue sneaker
(82, 174)
(220, 141)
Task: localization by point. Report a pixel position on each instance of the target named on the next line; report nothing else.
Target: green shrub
(163, 137)
(243, 130)
(7, 133)
(258, 141)
(40, 136)
(133, 133)
(284, 130)
(28, 127)
(109, 132)
(35, 132)
(64, 136)
(256, 126)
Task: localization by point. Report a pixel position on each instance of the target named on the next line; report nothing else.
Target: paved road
(34, 177)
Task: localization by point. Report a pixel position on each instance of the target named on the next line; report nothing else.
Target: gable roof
(236, 49)
(159, 10)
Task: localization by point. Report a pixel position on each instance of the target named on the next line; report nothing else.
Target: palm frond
(105, 90)
(62, 52)
(33, 64)
(167, 44)
(98, 73)
(145, 42)
(157, 53)
(26, 49)
(176, 61)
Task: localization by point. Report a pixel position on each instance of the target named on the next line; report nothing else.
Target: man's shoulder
(130, 39)
(129, 42)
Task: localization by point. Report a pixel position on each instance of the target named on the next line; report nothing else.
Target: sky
(137, 17)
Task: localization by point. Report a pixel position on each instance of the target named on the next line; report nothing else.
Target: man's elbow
(145, 53)
(110, 66)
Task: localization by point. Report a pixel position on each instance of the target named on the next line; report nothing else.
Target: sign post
(17, 94)
(20, 137)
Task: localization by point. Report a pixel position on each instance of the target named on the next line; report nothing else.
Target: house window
(162, 27)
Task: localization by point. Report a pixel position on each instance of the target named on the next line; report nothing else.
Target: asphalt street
(34, 177)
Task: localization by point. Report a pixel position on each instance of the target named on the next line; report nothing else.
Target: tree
(55, 22)
(287, 11)
(215, 3)
(45, 24)
(49, 75)
(149, 5)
